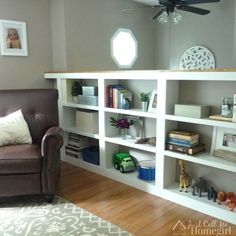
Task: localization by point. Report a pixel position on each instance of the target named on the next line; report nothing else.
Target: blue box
(91, 155)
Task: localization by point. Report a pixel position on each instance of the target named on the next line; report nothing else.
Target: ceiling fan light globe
(176, 17)
(163, 18)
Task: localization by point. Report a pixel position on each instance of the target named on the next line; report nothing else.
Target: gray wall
(214, 31)
(81, 32)
(89, 26)
(27, 72)
(83, 29)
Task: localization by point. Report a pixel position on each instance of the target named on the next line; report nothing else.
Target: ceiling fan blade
(135, 8)
(196, 10)
(190, 2)
(165, 2)
(158, 14)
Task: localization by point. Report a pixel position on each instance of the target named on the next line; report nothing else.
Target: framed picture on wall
(13, 38)
(152, 107)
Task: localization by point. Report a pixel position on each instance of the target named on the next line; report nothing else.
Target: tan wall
(27, 72)
(89, 26)
(81, 32)
(216, 31)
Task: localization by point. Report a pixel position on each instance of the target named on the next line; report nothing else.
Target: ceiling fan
(170, 6)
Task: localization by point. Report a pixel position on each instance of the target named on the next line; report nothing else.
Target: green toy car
(124, 162)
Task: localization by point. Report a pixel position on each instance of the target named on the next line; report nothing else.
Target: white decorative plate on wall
(197, 58)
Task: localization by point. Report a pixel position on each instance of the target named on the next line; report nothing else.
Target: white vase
(76, 99)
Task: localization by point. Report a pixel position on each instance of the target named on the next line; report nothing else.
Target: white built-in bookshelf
(199, 87)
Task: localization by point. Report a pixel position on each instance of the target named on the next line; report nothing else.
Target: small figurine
(183, 179)
(230, 201)
(199, 186)
(212, 194)
(151, 141)
(221, 197)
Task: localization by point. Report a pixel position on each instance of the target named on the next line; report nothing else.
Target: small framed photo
(152, 107)
(13, 39)
(223, 139)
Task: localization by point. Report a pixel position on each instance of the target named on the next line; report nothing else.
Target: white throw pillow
(14, 129)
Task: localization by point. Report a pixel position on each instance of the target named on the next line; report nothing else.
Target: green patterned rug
(34, 217)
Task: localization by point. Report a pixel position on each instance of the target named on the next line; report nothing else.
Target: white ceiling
(148, 2)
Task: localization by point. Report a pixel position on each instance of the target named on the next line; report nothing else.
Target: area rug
(35, 217)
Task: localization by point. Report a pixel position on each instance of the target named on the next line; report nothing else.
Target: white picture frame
(13, 38)
(152, 106)
(224, 139)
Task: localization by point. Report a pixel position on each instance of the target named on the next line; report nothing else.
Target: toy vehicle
(124, 162)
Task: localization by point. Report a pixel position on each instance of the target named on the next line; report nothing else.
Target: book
(109, 94)
(125, 99)
(191, 151)
(184, 135)
(220, 117)
(115, 95)
(182, 144)
(182, 141)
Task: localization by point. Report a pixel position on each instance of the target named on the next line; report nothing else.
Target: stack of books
(184, 142)
(119, 97)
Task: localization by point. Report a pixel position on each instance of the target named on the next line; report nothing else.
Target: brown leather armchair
(27, 169)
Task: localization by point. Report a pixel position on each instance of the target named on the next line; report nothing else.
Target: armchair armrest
(50, 151)
(54, 136)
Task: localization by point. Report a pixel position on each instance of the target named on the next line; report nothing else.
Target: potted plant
(145, 98)
(122, 123)
(76, 90)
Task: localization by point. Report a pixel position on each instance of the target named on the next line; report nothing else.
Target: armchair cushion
(14, 129)
(20, 159)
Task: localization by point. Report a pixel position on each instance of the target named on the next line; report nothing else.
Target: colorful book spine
(125, 100)
(108, 96)
(183, 135)
(191, 151)
(115, 91)
(182, 141)
(181, 144)
(118, 97)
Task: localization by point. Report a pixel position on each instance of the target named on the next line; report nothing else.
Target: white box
(89, 90)
(192, 110)
(88, 100)
(87, 121)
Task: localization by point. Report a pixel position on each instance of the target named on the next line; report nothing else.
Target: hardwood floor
(140, 213)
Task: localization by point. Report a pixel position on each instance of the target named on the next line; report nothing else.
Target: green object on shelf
(124, 162)
(76, 89)
(145, 97)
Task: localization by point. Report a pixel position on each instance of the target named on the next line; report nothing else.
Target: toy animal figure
(230, 201)
(183, 179)
(212, 194)
(221, 197)
(151, 141)
(199, 186)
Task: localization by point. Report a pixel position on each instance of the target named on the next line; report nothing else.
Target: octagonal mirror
(124, 48)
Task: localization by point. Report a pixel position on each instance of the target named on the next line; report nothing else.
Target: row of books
(184, 142)
(119, 97)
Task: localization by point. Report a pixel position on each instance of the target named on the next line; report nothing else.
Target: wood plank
(138, 212)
